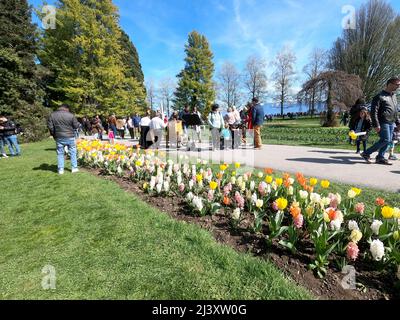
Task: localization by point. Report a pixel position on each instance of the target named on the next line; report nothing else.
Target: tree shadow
(50, 149)
(395, 172)
(330, 152)
(46, 167)
(331, 160)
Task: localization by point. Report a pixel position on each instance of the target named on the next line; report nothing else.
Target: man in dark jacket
(384, 117)
(9, 136)
(258, 120)
(62, 125)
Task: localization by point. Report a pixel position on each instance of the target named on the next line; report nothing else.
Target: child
(362, 123)
(111, 136)
(395, 140)
(225, 137)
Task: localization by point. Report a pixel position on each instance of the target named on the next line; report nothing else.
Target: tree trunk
(330, 120)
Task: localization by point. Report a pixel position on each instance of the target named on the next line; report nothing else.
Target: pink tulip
(360, 207)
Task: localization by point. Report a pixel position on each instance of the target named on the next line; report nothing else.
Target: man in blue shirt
(136, 126)
(258, 120)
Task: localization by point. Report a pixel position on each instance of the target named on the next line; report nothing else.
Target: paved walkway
(336, 165)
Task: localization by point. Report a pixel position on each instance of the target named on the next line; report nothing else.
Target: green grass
(308, 132)
(107, 244)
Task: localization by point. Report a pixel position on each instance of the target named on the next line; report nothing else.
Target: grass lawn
(308, 132)
(105, 243)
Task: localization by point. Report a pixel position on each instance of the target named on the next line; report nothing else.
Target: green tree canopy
(85, 54)
(371, 50)
(195, 85)
(20, 92)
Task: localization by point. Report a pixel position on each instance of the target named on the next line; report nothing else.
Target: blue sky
(235, 29)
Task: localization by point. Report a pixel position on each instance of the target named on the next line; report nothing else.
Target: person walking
(258, 120)
(112, 124)
(216, 123)
(8, 130)
(62, 125)
(2, 143)
(144, 130)
(136, 126)
(354, 114)
(129, 126)
(362, 124)
(384, 117)
(157, 125)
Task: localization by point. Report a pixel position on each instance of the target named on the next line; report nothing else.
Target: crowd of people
(227, 131)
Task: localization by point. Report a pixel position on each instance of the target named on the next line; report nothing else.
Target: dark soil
(371, 284)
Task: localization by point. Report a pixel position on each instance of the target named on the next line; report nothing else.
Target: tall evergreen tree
(85, 54)
(195, 85)
(20, 93)
(130, 58)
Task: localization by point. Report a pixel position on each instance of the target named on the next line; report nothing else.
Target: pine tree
(20, 93)
(86, 57)
(130, 59)
(195, 85)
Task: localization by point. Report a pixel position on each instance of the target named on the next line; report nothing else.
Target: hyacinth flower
(348, 223)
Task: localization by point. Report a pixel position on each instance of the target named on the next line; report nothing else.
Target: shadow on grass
(50, 149)
(46, 167)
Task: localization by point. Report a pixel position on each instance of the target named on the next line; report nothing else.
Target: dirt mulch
(371, 284)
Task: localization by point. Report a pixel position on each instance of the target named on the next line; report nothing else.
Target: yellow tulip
(387, 212)
(281, 203)
(223, 167)
(199, 178)
(268, 179)
(279, 181)
(213, 185)
(325, 184)
(138, 163)
(310, 211)
(352, 135)
(396, 213)
(357, 191)
(313, 181)
(237, 165)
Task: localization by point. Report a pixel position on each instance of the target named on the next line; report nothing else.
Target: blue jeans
(1, 146)
(71, 144)
(386, 136)
(13, 145)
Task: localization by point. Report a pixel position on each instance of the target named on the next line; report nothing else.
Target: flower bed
(286, 211)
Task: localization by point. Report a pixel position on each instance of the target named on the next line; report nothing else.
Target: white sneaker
(75, 170)
(5, 156)
(60, 171)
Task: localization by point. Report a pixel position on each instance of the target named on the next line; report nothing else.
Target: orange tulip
(227, 201)
(295, 211)
(268, 171)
